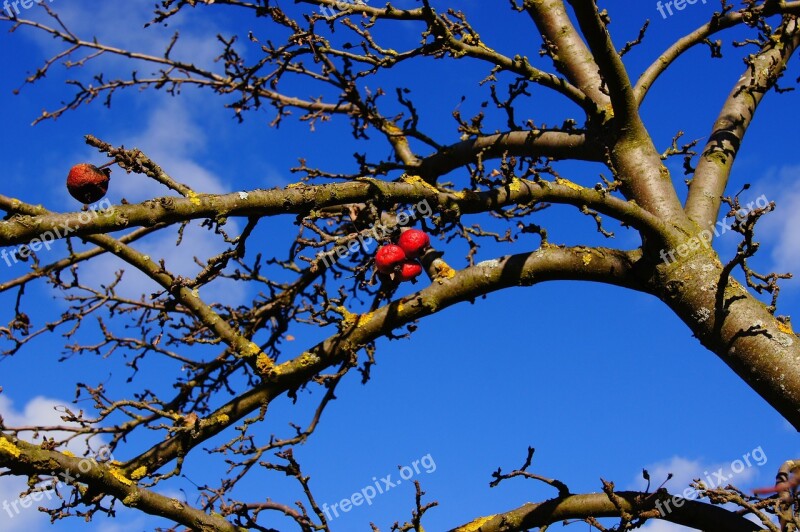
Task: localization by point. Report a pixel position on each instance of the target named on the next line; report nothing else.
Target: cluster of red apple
(399, 261)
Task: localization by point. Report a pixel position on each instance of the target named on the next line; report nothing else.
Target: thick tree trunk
(737, 327)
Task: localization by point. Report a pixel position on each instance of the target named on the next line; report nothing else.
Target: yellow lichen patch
(392, 129)
(264, 363)
(475, 525)
(281, 368)
(587, 259)
(308, 359)
(139, 473)
(221, 419)
(252, 350)
(569, 184)
(417, 180)
(348, 318)
(132, 499)
(8, 447)
(117, 474)
(296, 185)
(364, 319)
(464, 194)
(193, 197)
(490, 50)
(784, 327)
(443, 270)
(515, 185)
(717, 157)
(65, 452)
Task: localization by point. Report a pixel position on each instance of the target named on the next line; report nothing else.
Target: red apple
(414, 242)
(87, 183)
(409, 270)
(388, 258)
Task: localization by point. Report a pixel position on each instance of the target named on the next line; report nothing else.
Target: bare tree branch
(692, 514)
(716, 162)
(718, 23)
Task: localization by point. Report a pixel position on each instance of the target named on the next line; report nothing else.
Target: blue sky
(601, 381)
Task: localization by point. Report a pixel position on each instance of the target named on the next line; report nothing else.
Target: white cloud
(779, 228)
(171, 138)
(123, 27)
(179, 260)
(24, 520)
(43, 412)
(684, 471)
(38, 412)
